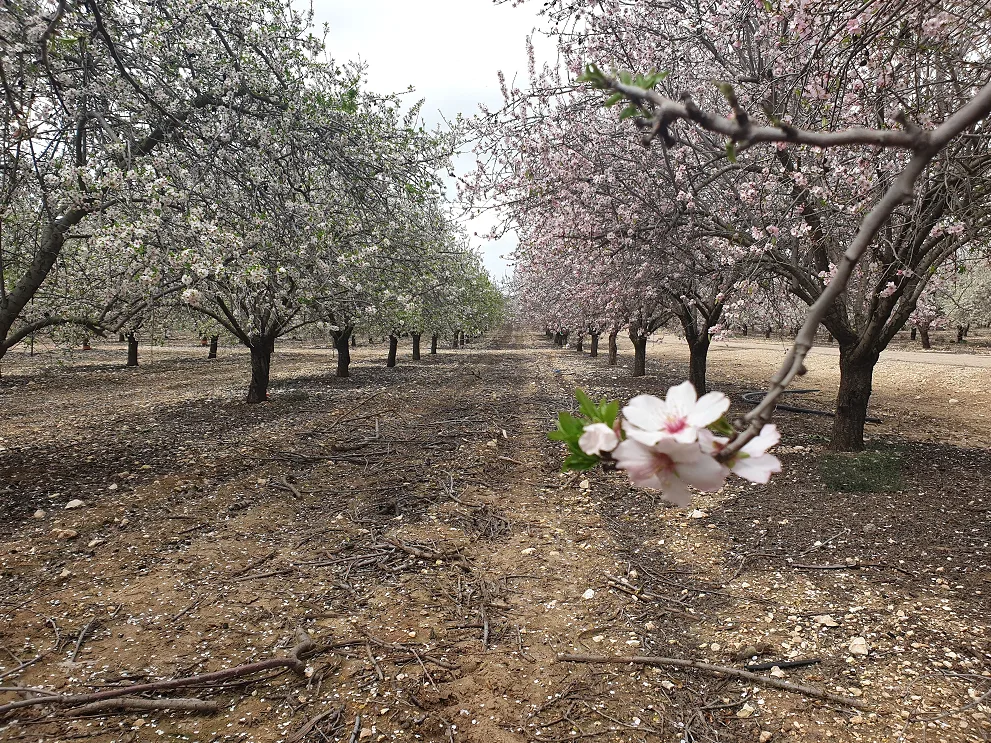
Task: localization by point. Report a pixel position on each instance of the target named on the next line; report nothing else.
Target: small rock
(589, 594)
(65, 533)
(747, 710)
(953, 401)
(366, 733)
(697, 514)
(112, 487)
(765, 735)
(858, 646)
(584, 484)
(75, 503)
(650, 626)
(858, 720)
(825, 620)
(667, 684)
(492, 444)
(66, 573)
(40, 513)
(778, 673)
(528, 551)
(598, 638)
(94, 542)
(715, 647)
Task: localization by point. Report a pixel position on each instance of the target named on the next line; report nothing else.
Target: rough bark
(961, 331)
(580, 344)
(639, 354)
(354, 341)
(132, 349)
(393, 346)
(767, 332)
(613, 349)
(212, 354)
(698, 355)
(342, 344)
(416, 346)
(926, 343)
(261, 365)
(433, 344)
(593, 350)
(914, 333)
(856, 377)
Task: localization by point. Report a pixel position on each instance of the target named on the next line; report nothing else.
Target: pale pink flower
(670, 466)
(598, 438)
(680, 415)
(752, 462)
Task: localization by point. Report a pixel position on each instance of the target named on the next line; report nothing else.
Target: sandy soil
(414, 523)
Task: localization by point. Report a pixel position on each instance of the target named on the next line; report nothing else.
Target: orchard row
(213, 159)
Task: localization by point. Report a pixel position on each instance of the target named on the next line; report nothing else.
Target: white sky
(449, 50)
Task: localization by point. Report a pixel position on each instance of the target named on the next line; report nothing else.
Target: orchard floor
(414, 523)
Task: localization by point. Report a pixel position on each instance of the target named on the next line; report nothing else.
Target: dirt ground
(414, 523)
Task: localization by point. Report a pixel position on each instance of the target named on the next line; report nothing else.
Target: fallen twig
(22, 666)
(782, 664)
(310, 724)
(128, 703)
(809, 691)
(294, 662)
(82, 636)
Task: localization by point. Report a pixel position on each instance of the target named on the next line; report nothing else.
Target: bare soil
(414, 523)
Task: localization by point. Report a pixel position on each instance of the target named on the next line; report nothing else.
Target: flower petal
(638, 461)
(648, 438)
(757, 469)
(646, 412)
(763, 441)
(676, 491)
(704, 473)
(597, 438)
(681, 399)
(708, 409)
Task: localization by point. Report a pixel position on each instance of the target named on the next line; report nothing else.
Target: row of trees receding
(841, 141)
(165, 154)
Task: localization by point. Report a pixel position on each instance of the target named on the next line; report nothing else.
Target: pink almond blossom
(671, 467)
(752, 462)
(680, 415)
(598, 438)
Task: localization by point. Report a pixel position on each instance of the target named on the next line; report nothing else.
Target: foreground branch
(642, 660)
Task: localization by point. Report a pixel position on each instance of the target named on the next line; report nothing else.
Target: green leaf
(731, 152)
(569, 424)
(628, 112)
(608, 412)
(581, 462)
(586, 405)
(722, 427)
(614, 99)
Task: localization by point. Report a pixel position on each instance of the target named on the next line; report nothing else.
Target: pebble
(65, 533)
(40, 513)
(589, 594)
(75, 503)
(859, 646)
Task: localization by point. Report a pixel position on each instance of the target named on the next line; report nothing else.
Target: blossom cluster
(670, 445)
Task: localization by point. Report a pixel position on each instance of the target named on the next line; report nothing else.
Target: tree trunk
(639, 354)
(613, 349)
(960, 333)
(593, 350)
(966, 330)
(461, 339)
(767, 333)
(924, 332)
(261, 364)
(744, 330)
(86, 345)
(354, 341)
(212, 354)
(120, 338)
(393, 346)
(343, 347)
(433, 344)
(416, 346)
(914, 332)
(856, 377)
(698, 355)
(580, 345)
(132, 349)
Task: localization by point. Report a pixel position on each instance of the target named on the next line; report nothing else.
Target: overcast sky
(449, 50)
